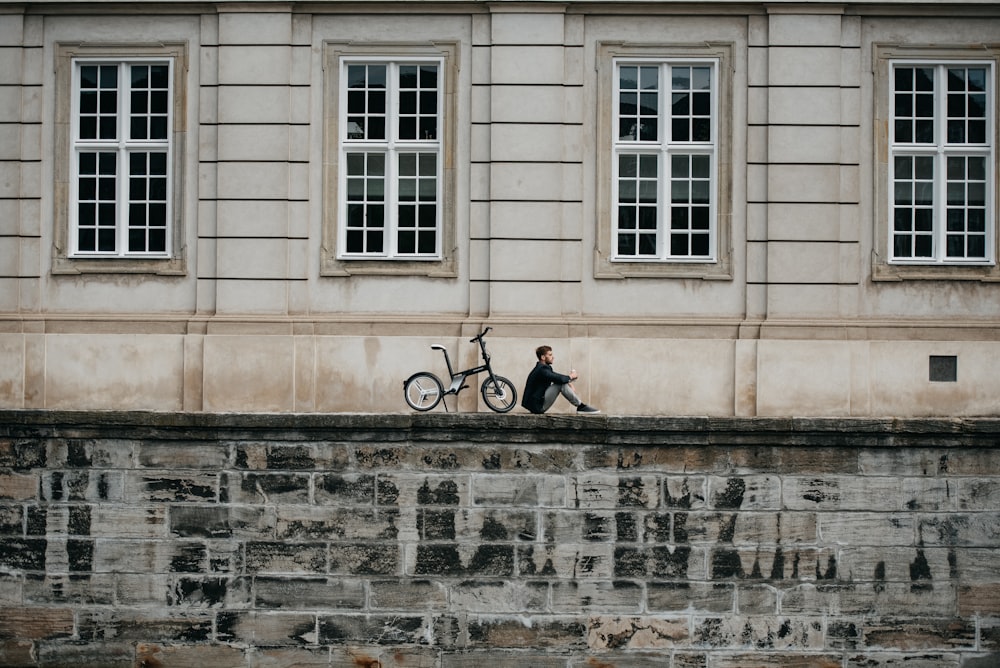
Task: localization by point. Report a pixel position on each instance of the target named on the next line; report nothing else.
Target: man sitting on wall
(544, 385)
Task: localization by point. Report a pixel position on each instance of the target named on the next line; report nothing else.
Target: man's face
(548, 357)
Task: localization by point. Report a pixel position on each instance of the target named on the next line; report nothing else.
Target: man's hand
(573, 375)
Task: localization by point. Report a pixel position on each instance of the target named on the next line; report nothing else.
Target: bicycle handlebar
(479, 337)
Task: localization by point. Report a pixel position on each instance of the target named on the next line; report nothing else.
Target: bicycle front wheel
(500, 396)
(423, 391)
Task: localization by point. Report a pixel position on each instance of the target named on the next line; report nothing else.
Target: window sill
(710, 271)
(332, 267)
(882, 271)
(64, 266)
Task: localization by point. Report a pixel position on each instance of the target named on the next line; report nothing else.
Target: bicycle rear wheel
(423, 391)
(500, 396)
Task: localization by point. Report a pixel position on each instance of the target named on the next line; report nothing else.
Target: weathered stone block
(190, 656)
(677, 597)
(989, 635)
(497, 524)
(615, 596)
(908, 564)
(335, 489)
(983, 600)
(960, 529)
(929, 494)
(776, 660)
(11, 520)
(828, 459)
(745, 492)
(372, 629)
(773, 564)
(885, 599)
(688, 492)
(149, 556)
(231, 593)
(435, 524)
(756, 599)
(273, 557)
(679, 458)
(868, 528)
(107, 654)
(75, 589)
(662, 561)
(745, 528)
(364, 559)
(519, 490)
(132, 521)
(36, 623)
(919, 634)
(265, 629)
(17, 652)
(929, 461)
(612, 491)
(110, 453)
(762, 633)
(299, 522)
(265, 488)
(171, 487)
(567, 560)
(182, 455)
(542, 632)
(21, 454)
(498, 596)
(146, 589)
(299, 657)
(306, 593)
(406, 490)
(291, 456)
(23, 554)
(615, 633)
(842, 493)
(221, 521)
(501, 659)
(407, 595)
(144, 625)
(19, 486)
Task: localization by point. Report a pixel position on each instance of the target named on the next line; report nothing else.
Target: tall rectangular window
(665, 160)
(391, 159)
(121, 158)
(942, 163)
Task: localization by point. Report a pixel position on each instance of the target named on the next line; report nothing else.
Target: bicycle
(423, 390)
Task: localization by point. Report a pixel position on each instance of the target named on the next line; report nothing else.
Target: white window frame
(717, 263)
(392, 147)
(884, 266)
(939, 151)
(336, 259)
(122, 147)
(665, 147)
(65, 259)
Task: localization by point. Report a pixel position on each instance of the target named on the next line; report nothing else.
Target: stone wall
(454, 541)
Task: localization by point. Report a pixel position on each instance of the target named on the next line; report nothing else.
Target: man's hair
(541, 350)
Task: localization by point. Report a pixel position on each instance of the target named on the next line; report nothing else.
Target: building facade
(715, 208)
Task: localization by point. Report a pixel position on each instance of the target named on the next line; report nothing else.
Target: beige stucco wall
(626, 376)
(253, 323)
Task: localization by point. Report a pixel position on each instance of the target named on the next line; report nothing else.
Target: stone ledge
(474, 428)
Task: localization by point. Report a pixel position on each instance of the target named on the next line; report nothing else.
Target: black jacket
(538, 381)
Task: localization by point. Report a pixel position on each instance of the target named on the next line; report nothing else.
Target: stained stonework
(446, 541)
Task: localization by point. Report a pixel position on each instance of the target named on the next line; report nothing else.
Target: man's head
(544, 354)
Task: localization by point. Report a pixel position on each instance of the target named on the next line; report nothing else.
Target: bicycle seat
(437, 346)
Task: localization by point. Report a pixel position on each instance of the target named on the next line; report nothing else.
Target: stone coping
(614, 430)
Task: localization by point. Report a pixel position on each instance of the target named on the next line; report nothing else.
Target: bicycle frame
(424, 390)
(458, 377)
